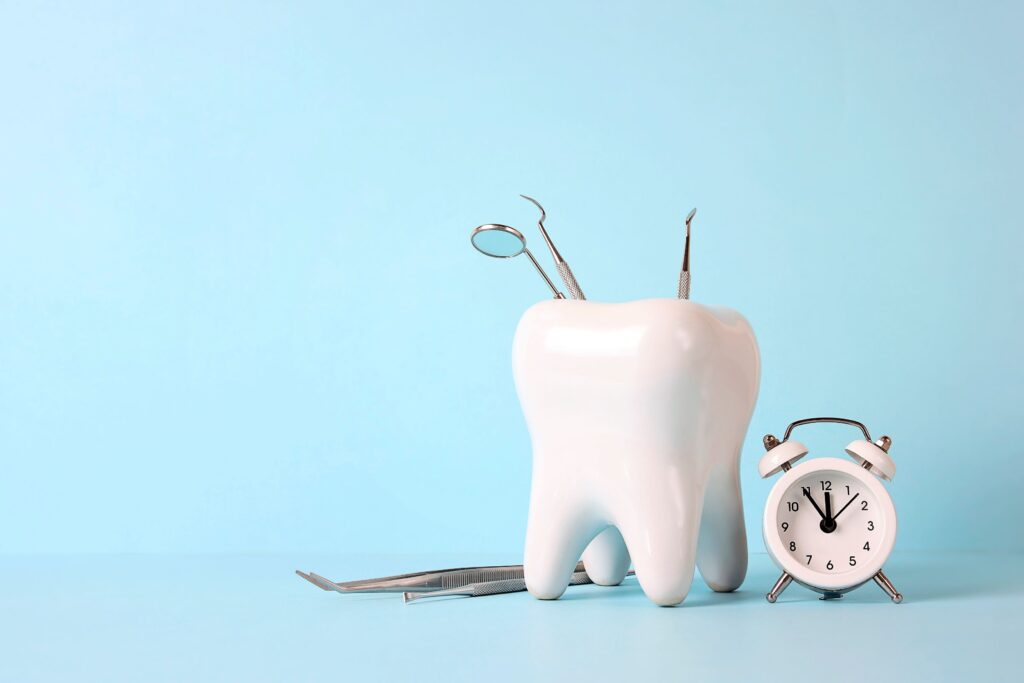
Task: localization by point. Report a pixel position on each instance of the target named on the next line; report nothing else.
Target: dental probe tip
(312, 580)
(409, 596)
(543, 214)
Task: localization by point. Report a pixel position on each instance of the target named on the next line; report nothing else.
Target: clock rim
(809, 577)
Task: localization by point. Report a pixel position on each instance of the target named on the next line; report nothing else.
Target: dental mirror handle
(558, 295)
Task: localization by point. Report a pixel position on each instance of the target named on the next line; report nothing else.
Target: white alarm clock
(829, 523)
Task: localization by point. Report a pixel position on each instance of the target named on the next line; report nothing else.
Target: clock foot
(830, 595)
(885, 584)
(779, 586)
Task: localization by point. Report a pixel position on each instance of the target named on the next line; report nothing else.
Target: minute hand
(845, 506)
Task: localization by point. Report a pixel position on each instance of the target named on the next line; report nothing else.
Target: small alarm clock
(829, 523)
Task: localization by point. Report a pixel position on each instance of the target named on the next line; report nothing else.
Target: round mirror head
(499, 241)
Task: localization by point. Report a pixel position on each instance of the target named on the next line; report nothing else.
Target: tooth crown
(637, 412)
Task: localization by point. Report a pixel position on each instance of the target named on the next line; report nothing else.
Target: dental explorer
(684, 274)
(560, 264)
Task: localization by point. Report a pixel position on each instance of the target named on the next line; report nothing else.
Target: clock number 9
(785, 526)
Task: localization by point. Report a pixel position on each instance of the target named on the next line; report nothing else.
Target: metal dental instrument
(684, 274)
(319, 581)
(429, 581)
(560, 265)
(501, 241)
(476, 590)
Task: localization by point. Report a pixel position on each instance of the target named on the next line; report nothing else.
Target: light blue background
(240, 312)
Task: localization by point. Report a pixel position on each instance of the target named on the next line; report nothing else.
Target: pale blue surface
(248, 618)
(240, 311)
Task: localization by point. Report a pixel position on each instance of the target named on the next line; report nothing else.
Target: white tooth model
(637, 412)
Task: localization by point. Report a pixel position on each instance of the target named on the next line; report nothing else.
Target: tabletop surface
(250, 618)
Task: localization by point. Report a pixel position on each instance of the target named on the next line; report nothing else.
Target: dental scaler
(684, 274)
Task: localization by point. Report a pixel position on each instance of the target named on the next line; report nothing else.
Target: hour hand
(807, 492)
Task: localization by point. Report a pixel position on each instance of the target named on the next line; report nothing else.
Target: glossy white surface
(786, 453)
(637, 412)
(882, 464)
(838, 546)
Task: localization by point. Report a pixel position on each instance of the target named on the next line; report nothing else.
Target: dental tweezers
(476, 590)
(424, 582)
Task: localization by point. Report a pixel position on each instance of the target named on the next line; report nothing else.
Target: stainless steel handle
(569, 279)
(477, 590)
(684, 285)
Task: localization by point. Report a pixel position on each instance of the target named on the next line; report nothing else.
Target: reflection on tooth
(572, 341)
(637, 413)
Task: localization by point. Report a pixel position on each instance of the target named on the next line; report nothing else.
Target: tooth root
(722, 548)
(606, 558)
(556, 534)
(662, 539)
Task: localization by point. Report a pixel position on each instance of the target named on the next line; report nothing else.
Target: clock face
(831, 522)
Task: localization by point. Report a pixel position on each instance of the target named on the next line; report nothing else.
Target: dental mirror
(502, 241)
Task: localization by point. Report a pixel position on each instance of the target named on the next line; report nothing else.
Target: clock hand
(828, 505)
(845, 506)
(827, 523)
(807, 492)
